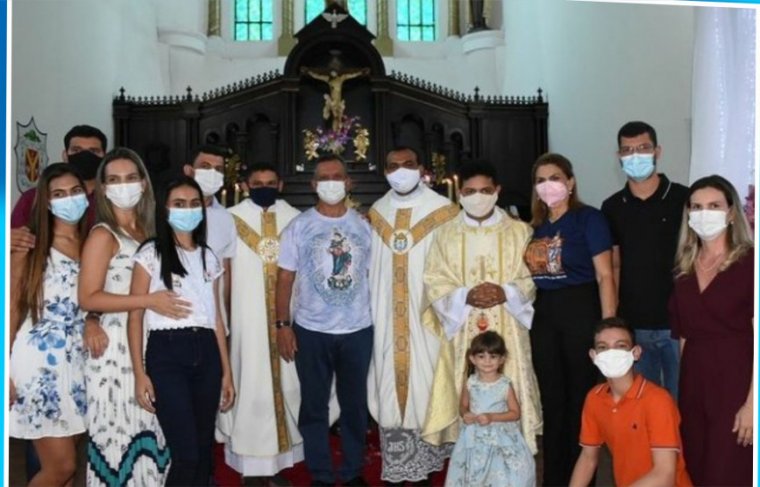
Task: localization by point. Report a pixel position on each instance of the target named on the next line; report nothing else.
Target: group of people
(465, 333)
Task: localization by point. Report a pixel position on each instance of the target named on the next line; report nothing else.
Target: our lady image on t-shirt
(544, 257)
(340, 249)
(332, 258)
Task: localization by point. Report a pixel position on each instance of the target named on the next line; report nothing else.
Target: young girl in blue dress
(186, 375)
(490, 450)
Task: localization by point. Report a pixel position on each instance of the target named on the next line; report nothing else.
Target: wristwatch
(280, 323)
(93, 315)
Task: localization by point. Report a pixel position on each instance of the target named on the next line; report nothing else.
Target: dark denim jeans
(660, 355)
(319, 356)
(186, 371)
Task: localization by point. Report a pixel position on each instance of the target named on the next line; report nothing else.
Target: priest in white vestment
(476, 280)
(261, 430)
(404, 221)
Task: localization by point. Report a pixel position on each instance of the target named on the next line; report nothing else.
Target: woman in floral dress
(126, 445)
(47, 390)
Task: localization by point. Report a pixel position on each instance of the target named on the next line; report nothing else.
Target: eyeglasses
(627, 150)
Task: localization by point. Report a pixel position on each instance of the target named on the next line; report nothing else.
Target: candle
(456, 188)
(449, 188)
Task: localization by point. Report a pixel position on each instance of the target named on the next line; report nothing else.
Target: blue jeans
(659, 359)
(186, 370)
(319, 357)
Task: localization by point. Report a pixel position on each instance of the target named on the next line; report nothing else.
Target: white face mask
(708, 224)
(124, 196)
(403, 180)
(614, 363)
(209, 180)
(331, 192)
(479, 205)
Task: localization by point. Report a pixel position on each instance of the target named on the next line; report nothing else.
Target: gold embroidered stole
(267, 247)
(401, 239)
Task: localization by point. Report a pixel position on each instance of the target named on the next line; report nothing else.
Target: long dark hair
(41, 225)
(166, 241)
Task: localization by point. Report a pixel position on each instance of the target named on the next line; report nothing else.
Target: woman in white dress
(47, 390)
(126, 445)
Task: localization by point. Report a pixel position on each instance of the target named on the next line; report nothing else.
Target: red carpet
(299, 476)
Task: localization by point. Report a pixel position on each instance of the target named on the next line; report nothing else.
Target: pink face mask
(552, 192)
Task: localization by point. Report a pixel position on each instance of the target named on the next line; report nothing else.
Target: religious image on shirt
(544, 257)
(340, 250)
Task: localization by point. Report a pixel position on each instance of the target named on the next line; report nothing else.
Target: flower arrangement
(749, 206)
(321, 140)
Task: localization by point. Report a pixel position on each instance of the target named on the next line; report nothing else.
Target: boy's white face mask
(614, 363)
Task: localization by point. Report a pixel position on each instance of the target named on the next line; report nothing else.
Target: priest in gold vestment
(476, 280)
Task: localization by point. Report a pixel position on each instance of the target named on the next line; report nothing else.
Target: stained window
(253, 20)
(415, 20)
(357, 9)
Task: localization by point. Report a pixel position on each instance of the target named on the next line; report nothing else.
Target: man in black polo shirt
(645, 217)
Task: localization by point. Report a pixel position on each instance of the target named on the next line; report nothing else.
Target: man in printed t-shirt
(323, 268)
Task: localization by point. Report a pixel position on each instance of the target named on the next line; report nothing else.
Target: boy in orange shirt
(637, 419)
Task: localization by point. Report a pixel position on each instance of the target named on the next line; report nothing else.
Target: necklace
(705, 268)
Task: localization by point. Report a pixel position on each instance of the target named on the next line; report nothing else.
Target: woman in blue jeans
(186, 368)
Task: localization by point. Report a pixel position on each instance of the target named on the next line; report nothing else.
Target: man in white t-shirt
(323, 266)
(207, 169)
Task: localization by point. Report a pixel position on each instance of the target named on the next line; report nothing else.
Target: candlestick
(224, 197)
(456, 188)
(449, 188)
(237, 193)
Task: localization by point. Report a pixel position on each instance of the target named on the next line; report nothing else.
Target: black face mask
(264, 196)
(85, 163)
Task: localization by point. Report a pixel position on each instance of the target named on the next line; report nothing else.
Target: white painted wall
(599, 64)
(69, 59)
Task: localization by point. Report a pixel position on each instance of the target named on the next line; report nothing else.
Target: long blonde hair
(738, 235)
(145, 207)
(539, 210)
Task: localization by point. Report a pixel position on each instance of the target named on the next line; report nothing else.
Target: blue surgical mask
(70, 208)
(185, 219)
(638, 167)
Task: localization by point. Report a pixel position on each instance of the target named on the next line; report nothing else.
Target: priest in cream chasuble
(482, 245)
(261, 429)
(404, 221)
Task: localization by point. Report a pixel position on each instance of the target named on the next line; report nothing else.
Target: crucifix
(334, 77)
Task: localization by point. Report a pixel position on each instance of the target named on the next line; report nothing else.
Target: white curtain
(723, 96)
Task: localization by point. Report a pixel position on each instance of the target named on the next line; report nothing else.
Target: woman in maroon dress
(712, 315)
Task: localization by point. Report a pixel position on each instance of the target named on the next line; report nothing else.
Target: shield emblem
(31, 154)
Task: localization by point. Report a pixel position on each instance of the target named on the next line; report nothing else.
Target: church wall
(599, 65)
(69, 59)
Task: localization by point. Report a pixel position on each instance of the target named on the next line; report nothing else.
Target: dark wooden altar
(262, 119)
